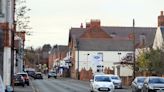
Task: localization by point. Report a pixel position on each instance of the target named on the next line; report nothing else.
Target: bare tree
(21, 16)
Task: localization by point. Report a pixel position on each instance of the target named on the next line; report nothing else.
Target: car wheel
(28, 84)
(22, 85)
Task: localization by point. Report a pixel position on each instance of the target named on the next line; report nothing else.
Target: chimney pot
(161, 13)
(161, 19)
(81, 26)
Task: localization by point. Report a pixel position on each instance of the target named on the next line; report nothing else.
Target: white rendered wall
(109, 57)
(7, 65)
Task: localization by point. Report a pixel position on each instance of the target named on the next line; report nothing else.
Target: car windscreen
(157, 80)
(140, 80)
(102, 79)
(115, 78)
(24, 75)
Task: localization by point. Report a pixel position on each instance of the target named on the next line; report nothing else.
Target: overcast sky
(52, 19)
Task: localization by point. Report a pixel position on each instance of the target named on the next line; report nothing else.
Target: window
(142, 38)
(0, 6)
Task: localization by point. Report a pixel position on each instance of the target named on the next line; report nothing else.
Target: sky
(51, 20)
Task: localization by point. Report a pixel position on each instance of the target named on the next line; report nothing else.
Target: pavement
(26, 88)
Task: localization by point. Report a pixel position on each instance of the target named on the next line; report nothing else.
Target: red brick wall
(161, 19)
(5, 28)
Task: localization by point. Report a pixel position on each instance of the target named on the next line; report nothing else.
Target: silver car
(153, 84)
(137, 84)
(116, 80)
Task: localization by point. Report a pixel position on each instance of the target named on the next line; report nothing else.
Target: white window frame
(0, 6)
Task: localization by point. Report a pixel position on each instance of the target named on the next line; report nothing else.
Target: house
(19, 40)
(112, 43)
(56, 59)
(7, 27)
(159, 36)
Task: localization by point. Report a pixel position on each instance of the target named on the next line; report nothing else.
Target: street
(60, 85)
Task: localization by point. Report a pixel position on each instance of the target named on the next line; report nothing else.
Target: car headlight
(139, 86)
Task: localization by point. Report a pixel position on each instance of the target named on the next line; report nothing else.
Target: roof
(105, 45)
(122, 44)
(60, 48)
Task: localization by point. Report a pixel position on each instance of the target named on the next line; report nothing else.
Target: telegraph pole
(78, 74)
(134, 61)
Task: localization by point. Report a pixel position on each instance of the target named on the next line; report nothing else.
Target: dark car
(19, 80)
(153, 84)
(137, 84)
(52, 74)
(31, 73)
(25, 76)
(38, 75)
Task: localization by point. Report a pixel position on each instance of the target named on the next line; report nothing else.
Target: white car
(101, 83)
(116, 80)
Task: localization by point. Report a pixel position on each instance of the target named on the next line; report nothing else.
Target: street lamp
(119, 53)
(87, 61)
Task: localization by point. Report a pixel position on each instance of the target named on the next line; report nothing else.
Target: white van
(2, 87)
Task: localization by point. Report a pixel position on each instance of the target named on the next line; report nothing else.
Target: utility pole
(78, 74)
(134, 61)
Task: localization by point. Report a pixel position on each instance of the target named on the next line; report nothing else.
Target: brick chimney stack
(161, 19)
(81, 26)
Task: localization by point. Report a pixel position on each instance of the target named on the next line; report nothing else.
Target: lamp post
(119, 53)
(87, 61)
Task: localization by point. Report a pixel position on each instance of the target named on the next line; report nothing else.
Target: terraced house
(114, 45)
(6, 31)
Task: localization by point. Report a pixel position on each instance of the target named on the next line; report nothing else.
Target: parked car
(153, 84)
(52, 74)
(2, 87)
(101, 83)
(25, 76)
(31, 73)
(19, 80)
(137, 84)
(38, 75)
(116, 80)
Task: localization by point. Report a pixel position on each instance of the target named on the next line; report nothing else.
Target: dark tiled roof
(109, 44)
(60, 48)
(149, 33)
(105, 45)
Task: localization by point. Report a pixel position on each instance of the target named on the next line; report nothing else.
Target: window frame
(1, 9)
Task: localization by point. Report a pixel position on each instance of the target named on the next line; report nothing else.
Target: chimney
(81, 26)
(87, 25)
(161, 19)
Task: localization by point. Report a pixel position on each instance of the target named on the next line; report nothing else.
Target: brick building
(113, 42)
